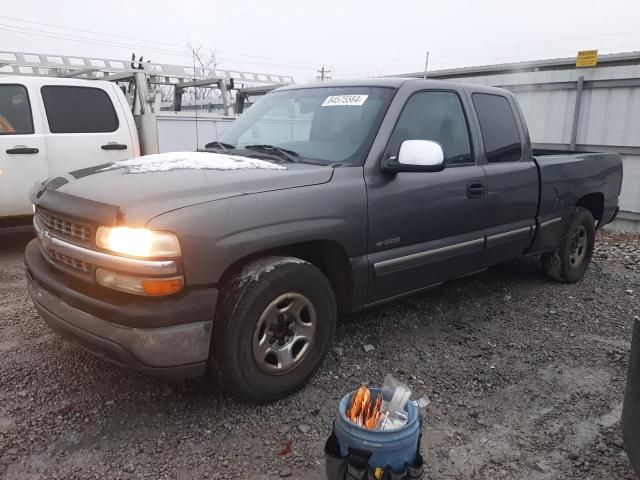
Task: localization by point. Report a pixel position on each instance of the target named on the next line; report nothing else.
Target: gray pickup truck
(320, 200)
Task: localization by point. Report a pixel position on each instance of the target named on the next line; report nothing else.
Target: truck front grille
(74, 263)
(69, 229)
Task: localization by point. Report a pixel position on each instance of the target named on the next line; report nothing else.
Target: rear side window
(15, 110)
(78, 110)
(499, 128)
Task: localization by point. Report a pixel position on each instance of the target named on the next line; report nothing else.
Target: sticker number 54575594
(344, 100)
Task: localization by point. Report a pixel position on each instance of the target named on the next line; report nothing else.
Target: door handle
(475, 189)
(114, 146)
(22, 150)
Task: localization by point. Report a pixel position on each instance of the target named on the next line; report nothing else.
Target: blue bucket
(394, 447)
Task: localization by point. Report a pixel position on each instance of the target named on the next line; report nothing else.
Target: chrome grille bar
(99, 259)
(69, 261)
(56, 223)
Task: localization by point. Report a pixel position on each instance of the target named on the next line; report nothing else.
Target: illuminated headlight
(138, 242)
(139, 286)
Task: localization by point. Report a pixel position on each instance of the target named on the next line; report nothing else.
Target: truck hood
(142, 188)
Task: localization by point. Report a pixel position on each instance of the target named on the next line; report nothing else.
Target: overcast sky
(353, 38)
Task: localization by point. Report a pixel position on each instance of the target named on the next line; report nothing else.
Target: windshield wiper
(221, 145)
(287, 154)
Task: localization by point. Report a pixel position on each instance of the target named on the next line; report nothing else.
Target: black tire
(247, 299)
(569, 262)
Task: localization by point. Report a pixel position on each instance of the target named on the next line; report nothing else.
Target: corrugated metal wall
(609, 117)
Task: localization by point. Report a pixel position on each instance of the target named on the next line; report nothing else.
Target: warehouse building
(594, 108)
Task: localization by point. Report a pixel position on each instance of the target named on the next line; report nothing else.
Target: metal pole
(177, 98)
(426, 65)
(140, 79)
(239, 102)
(576, 112)
(226, 97)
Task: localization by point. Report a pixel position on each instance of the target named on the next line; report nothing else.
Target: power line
(95, 41)
(478, 60)
(583, 37)
(60, 36)
(94, 32)
(307, 63)
(297, 62)
(564, 53)
(90, 31)
(85, 40)
(490, 47)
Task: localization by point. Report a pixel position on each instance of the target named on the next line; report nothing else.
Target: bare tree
(205, 59)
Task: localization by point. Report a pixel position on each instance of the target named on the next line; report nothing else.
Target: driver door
(426, 227)
(23, 159)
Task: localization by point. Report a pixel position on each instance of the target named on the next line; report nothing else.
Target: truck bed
(567, 178)
(590, 180)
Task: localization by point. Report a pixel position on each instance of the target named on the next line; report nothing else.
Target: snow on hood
(163, 162)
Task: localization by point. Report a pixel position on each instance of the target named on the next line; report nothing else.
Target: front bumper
(123, 333)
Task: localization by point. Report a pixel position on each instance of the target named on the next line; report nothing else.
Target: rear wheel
(276, 321)
(569, 262)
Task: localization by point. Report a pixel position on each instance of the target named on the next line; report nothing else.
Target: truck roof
(393, 82)
(29, 80)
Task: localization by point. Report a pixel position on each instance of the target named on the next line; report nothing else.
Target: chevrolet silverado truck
(319, 200)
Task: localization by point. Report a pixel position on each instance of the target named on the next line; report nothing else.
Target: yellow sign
(587, 58)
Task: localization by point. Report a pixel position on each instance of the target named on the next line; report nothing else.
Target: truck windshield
(326, 124)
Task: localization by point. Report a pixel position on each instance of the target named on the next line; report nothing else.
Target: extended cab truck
(319, 200)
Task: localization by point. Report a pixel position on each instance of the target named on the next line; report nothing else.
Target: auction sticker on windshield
(344, 100)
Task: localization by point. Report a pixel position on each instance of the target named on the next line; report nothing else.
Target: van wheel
(275, 323)
(569, 262)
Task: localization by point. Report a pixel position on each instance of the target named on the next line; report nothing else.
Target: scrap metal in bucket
(377, 434)
(362, 412)
(380, 414)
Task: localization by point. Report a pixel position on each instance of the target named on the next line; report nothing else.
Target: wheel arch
(328, 256)
(594, 202)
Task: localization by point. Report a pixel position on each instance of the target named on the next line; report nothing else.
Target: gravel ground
(526, 379)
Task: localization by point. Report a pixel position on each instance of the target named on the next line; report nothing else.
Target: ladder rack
(93, 68)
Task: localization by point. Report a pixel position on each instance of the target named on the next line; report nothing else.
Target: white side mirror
(421, 153)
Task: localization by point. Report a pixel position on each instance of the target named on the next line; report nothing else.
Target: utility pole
(324, 74)
(426, 65)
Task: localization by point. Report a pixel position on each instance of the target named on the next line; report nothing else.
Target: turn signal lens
(138, 242)
(154, 287)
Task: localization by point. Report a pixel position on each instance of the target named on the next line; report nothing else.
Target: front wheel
(569, 262)
(275, 323)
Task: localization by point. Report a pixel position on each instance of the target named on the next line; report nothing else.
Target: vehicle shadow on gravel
(14, 240)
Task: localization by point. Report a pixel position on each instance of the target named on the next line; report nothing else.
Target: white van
(50, 126)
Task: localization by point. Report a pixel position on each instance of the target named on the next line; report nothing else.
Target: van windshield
(332, 124)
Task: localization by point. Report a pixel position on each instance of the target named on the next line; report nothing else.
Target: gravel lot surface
(526, 379)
